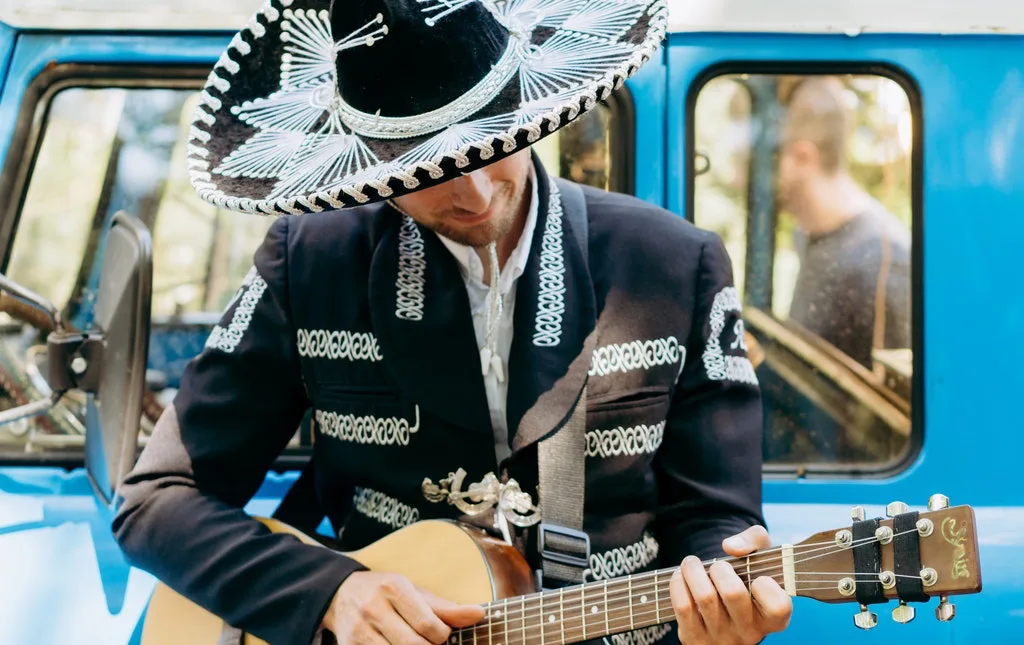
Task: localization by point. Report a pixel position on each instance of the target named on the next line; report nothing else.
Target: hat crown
(400, 58)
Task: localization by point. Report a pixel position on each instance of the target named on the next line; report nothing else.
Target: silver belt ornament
(508, 501)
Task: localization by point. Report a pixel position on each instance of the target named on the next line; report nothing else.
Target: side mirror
(121, 317)
(107, 362)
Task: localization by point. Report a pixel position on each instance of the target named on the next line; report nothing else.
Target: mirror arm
(30, 409)
(34, 300)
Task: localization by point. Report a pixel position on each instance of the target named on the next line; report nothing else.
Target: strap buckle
(561, 547)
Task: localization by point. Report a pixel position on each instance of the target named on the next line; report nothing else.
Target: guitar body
(454, 561)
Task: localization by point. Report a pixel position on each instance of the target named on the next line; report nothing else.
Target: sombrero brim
(270, 135)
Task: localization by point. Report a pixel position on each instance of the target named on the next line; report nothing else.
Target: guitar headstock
(907, 556)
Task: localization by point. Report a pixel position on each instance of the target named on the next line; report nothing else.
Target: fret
(490, 622)
(583, 609)
(505, 620)
(542, 621)
(561, 613)
(629, 592)
(657, 599)
(748, 571)
(607, 627)
(522, 614)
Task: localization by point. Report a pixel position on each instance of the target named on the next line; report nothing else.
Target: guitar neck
(597, 609)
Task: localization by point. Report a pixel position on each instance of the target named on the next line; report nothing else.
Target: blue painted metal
(65, 581)
(7, 37)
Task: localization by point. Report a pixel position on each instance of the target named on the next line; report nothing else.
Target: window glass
(106, 149)
(808, 179)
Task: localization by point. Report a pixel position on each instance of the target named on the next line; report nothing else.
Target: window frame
(30, 129)
(903, 78)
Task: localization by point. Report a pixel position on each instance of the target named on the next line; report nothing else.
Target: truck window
(102, 149)
(809, 179)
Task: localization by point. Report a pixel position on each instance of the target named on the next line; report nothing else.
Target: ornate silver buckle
(508, 500)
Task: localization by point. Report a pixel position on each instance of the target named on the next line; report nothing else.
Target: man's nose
(472, 192)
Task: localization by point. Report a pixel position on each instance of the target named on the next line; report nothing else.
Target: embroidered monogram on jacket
(636, 355)
(551, 299)
(383, 431)
(385, 509)
(645, 636)
(227, 339)
(620, 441)
(623, 560)
(719, 366)
(348, 345)
(411, 268)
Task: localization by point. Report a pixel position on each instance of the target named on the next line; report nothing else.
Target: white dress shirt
(495, 367)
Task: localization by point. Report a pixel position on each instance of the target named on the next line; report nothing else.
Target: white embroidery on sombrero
(289, 110)
(446, 7)
(551, 297)
(549, 80)
(719, 366)
(310, 49)
(324, 159)
(266, 154)
(412, 266)
(566, 60)
(457, 137)
(604, 18)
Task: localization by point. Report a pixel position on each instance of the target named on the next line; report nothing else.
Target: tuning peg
(896, 508)
(903, 613)
(865, 619)
(937, 502)
(857, 513)
(946, 610)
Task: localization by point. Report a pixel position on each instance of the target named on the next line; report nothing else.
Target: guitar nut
(844, 538)
(847, 586)
(929, 577)
(925, 527)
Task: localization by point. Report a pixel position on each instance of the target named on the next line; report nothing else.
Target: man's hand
(718, 608)
(385, 608)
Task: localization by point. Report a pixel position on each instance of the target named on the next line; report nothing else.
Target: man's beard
(497, 227)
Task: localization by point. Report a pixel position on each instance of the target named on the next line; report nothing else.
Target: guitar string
(643, 579)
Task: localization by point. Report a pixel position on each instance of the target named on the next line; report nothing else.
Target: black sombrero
(321, 104)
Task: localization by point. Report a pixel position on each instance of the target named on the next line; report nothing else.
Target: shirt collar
(469, 262)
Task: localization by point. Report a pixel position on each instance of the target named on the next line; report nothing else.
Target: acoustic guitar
(904, 556)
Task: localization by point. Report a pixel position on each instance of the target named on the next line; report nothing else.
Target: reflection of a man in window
(853, 289)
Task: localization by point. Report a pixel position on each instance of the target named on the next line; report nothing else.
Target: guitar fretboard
(594, 609)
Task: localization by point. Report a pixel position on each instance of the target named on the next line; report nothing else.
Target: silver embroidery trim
(645, 636)
(384, 508)
(625, 442)
(412, 266)
(636, 355)
(719, 366)
(381, 431)
(227, 339)
(338, 344)
(385, 127)
(592, 23)
(551, 297)
(622, 560)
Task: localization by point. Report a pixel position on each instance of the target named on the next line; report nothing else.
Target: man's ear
(805, 154)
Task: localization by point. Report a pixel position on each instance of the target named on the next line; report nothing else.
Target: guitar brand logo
(956, 537)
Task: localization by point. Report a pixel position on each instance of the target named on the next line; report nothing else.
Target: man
(853, 289)
(451, 322)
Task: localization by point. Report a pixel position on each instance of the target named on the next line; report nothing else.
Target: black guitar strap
(564, 547)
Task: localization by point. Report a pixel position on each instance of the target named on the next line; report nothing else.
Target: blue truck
(95, 105)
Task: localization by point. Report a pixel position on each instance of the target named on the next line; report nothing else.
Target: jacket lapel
(420, 313)
(555, 317)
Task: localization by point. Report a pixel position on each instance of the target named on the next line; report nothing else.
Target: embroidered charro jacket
(362, 316)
